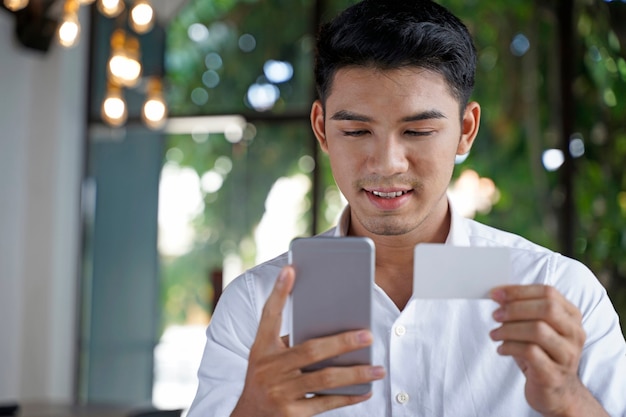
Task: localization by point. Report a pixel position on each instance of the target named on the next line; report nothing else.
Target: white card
(445, 271)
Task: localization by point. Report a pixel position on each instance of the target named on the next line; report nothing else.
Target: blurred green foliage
(517, 86)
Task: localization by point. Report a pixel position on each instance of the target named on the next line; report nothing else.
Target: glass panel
(231, 200)
(237, 57)
(224, 207)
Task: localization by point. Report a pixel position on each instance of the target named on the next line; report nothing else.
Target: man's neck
(394, 257)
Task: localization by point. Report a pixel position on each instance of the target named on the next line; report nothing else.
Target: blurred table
(67, 410)
(51, 409)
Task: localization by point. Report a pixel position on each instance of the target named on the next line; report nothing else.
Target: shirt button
(400, 330)
(402, 397)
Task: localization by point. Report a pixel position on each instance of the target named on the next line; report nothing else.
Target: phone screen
(333, 294)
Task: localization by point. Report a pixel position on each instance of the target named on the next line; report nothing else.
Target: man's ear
(469, 127)
(318, 124)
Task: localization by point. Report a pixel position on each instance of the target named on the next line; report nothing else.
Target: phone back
(333, 294)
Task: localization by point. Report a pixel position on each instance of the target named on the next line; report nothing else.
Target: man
(394, 80)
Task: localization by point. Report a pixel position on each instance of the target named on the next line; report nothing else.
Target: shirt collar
(459, 230)
(457, 236)
(344, 223)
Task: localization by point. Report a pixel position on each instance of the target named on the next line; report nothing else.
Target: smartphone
(468, 272)
(333, 294)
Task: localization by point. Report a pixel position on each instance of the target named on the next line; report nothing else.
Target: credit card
(445, 271)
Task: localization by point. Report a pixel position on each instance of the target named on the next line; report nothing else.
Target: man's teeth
(392, 194)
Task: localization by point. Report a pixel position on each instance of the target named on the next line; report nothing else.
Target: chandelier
(124, 67)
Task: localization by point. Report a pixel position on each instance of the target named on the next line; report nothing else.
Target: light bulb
(142, 16)
(124, 66)
(69, 30)
(124, 70)
(132, 72)
(133, 66)
(114, 110)
(117, 63)
(110, 8)
(15, 5)
(154, 111)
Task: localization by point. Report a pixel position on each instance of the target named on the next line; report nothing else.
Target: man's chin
(386, 228)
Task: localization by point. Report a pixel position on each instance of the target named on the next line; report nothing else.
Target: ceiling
(165, 10)
(37, 23)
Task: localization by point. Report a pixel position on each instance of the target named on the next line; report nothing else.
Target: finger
(335, 377)
(322, 403)
(536, 364)
(509, 293)
(553, 313)
(539, 333)
(531, 358)
(316, 350)
(271, 317)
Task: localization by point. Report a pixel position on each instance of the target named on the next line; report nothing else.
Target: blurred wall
(42, 123)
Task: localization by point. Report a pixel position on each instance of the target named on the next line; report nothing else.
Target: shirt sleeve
(225, 360)
(603, 363)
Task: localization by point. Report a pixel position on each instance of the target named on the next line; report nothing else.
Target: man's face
(392, 137)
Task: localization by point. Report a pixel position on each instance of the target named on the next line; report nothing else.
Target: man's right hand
(275, 385)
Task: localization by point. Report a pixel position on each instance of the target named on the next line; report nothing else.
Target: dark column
(567, 225)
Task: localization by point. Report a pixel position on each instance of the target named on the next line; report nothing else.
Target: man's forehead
(412, 82)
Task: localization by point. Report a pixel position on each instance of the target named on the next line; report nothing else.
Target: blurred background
(150, 151)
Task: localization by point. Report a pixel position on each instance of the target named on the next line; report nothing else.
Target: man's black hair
(391, 34)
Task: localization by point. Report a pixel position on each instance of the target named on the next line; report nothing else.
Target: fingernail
(498, 295)
(377, 371)
(280, 281)
(364, 337)
(498, 315)
(493, 334)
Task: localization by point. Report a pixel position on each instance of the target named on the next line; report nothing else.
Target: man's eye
(354, 132)
(420, 132)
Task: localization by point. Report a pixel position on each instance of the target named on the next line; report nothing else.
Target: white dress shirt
(439, 358)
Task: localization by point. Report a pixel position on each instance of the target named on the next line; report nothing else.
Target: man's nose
(389, 156)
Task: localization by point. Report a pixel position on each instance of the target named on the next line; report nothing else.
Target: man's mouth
(392, 194)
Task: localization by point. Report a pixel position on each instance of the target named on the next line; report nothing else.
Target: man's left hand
(543, 332)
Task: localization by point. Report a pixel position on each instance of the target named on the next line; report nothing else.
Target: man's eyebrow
(347, 115)
(424, 115)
